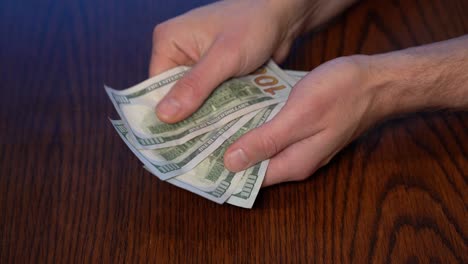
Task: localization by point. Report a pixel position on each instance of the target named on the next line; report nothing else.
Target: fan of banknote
(189, 154)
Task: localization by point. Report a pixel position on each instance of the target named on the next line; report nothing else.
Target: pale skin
(331, 106)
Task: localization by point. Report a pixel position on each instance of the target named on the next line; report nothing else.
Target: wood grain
(70, 190)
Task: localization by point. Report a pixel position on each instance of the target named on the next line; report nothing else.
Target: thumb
(218, 64)
(261, 143)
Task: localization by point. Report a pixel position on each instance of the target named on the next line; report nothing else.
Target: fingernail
(168, 108)
(237, 160)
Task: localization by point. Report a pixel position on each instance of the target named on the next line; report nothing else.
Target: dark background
(71, 191)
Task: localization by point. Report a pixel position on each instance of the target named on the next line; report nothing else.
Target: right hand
(226, 39)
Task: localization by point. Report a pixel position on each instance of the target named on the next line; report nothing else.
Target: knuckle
(353, 65)
(295, 176)
(269, 145)
(190, 85)
(303, 173)
(301, 177)
(325, 162)
(159, 30)
(230, 52)
(346, 61)
(227, 43)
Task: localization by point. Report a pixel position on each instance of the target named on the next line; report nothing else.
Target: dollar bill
(250, 183)
(249, 186)
(209, 178)
(172, 161)
(247, 177)
(232, 99)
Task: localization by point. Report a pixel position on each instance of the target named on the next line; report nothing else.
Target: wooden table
(71, 191)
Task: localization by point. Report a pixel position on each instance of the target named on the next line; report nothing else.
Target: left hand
(326, 110)
(342, 98)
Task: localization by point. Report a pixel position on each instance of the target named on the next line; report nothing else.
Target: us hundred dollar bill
(234, 98)
(250, 180)
(210, 178)
(248, 187)
(168, 162)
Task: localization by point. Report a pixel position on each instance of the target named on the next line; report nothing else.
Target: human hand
(325, 111)
(340, 99)
(226, 39)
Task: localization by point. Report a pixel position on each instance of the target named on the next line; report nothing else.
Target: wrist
(291, 14)
(300, 16)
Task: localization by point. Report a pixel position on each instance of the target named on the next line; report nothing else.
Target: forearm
(433, 76)
(301, 16)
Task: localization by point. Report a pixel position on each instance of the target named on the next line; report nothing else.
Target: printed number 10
(267, 80)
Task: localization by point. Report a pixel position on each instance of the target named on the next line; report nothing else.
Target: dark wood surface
(71, 191)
